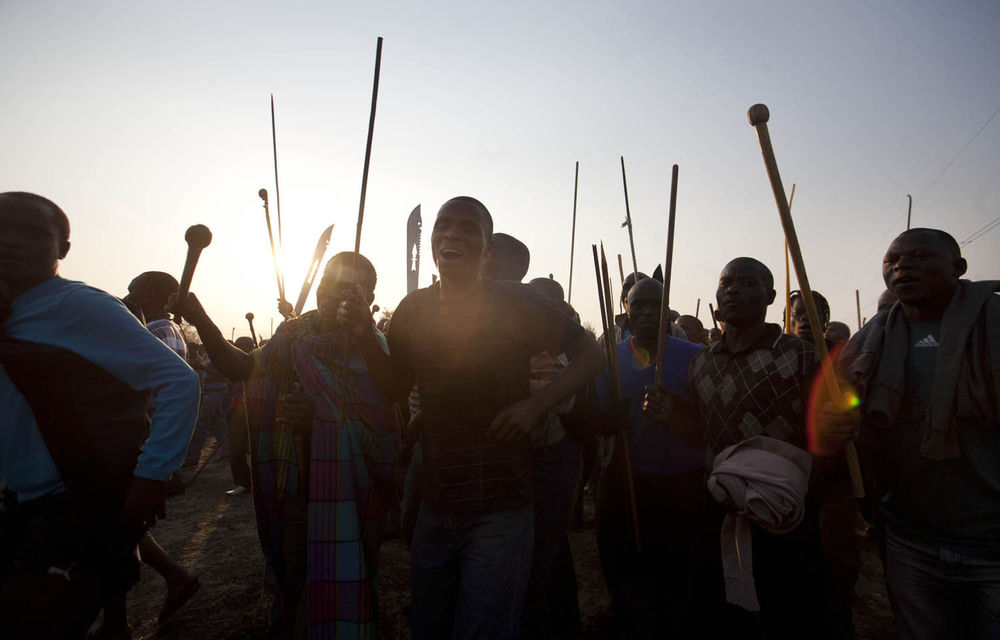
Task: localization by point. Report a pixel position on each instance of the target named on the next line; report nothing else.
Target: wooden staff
(277, 191)
(253, 334)
(621, 270)
(663, 329)
(614, 380)
(711, 311)
(909, 211)
(758, 116)
(857, 302)
(628, 222)
(788, 277)
(274, 254)
(197, 238)
(697, 308)
(572, 237)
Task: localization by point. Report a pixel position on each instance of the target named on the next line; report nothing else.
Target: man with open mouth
(467, 343)
(926, 372)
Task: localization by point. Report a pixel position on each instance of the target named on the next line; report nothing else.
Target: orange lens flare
(819, 396)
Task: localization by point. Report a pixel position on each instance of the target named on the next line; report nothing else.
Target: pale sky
(141, 119)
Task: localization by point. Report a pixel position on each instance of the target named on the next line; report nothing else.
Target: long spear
(621, 270)
(368, 147)
(758, 116)
(711, 311)
(572, 240)
(277, 191)
(628, 222)
(661, 344)
(364, 190)
(614, 381)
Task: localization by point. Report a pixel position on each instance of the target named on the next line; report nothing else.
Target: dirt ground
(214, 535)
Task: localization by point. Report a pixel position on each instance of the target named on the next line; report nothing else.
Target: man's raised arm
(228, 359)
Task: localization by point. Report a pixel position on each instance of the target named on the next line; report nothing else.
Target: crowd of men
(724, 504)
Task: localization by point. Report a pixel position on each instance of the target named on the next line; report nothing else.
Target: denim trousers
(469, 573)
(939, 592)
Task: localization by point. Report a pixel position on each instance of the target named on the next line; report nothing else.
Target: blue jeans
(469, 573)
(937, 592)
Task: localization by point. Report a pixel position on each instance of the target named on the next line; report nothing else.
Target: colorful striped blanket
(320, 536)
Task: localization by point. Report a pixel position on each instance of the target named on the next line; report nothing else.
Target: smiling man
(467, 343)
(927, 373)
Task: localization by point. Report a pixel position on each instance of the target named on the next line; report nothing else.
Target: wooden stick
(663, 330)
(274, 254)
(572, 237)
(758, 116)
(253, 334)
(857, 302)
(197, 238)
(617, 385)
(697, 308)
(788, 278)
(628, 222)
(621, 270)
(711, 310)
(277, 195)
(909, 211)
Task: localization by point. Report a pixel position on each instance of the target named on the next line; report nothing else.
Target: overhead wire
(929, 186)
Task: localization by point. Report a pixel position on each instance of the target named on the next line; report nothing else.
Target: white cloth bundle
(763, 480)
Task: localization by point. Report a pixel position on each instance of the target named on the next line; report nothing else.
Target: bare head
(34, 237)
(462, 238)
(548, 288)
(509, 259)
(150, 291)
(885, 300)
(693, 329)
(837, 332)
(922, 268)
(643, 305)
(746, 289)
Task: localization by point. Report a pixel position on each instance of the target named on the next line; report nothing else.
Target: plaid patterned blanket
(320, 498)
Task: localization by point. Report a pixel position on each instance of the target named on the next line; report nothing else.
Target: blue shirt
(653, 448)
(97, 327)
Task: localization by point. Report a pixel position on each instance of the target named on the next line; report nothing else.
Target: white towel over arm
(763, 480)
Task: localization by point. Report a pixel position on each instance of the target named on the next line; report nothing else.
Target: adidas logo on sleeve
(927, 341)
